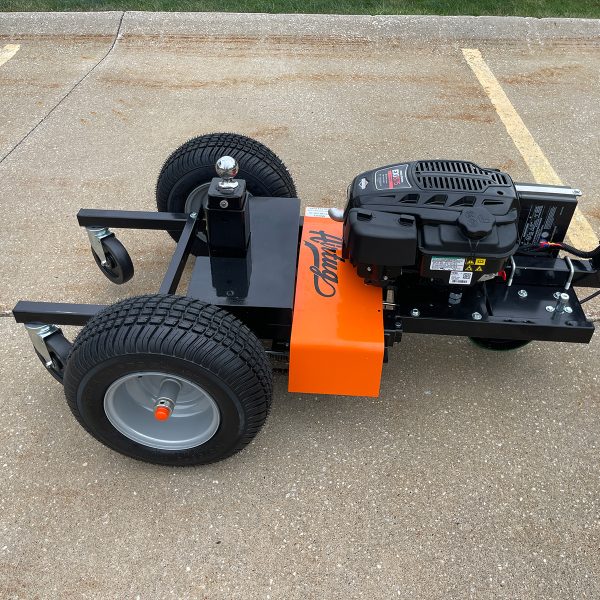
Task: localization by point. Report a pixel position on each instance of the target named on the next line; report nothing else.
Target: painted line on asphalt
(581, 234)
(8, 52)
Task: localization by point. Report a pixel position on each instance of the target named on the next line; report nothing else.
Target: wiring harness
(572, 250)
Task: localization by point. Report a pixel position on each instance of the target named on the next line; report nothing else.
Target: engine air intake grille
(456, 176)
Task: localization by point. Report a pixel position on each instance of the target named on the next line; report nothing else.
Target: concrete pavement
(474, 475)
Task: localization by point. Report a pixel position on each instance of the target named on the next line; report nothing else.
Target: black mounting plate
(258, 288)
(499, 310)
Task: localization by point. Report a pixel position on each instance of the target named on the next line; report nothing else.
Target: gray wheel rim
(129, 405)
(195, 202)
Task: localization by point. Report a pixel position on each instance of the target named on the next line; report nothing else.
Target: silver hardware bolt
(223, 204)
(415, 312)
(568, 310)
(556, 295)
(522, 293)
(369, 269)
(561, 305)
(454, 298)
(550, 309)
(477, 316)
(385, 277)
(193, 215)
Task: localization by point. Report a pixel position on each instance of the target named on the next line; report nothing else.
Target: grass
(532, 8)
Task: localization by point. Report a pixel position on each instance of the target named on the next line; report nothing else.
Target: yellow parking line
(581, 233)
(8, 52)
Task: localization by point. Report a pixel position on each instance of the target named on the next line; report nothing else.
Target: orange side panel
(337, 334)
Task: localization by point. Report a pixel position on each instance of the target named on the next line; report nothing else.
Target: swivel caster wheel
(110, 255)
(51, 347)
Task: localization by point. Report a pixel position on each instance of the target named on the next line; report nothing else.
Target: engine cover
(451, 221)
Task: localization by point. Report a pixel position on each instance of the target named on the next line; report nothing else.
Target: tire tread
(207, 149)
(183, 328)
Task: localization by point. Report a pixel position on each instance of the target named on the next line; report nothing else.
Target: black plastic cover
(442, 184)
(378, 237)
(455, 208)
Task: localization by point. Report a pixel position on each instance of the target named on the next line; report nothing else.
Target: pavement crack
(69, 92)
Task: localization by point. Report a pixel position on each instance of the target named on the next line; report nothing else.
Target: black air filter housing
(434, 216)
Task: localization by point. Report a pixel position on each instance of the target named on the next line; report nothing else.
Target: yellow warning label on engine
(475, 261)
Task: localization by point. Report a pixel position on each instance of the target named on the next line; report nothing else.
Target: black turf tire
(178, 335)
(120, 267)
(498, 344)
(193, 164)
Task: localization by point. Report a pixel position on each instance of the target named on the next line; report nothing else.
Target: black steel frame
(62, 313)
(503, 313)
(132, 219)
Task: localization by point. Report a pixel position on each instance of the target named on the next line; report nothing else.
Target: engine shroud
(451, 221)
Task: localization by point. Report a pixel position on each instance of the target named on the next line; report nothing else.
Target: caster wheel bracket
(49, 342)
(96, 235)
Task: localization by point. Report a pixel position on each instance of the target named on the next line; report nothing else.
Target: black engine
(450, 221)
